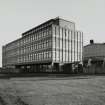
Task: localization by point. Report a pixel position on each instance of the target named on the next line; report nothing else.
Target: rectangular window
(47, 32)
(75, 36)
(60, 33)
(44, 55)
(60, 55)
(64, 45)
(60, 44)
(42, 44)
(67, 47)
(79, 37)
(63, 56)
(57, 43)
(54, 57)
(50, 31)
(49, 43)
(55, 30)
(70, 56)
(66, 56)
(39, 57)
(50, 54)
(46, 43)
(63, 32)
(76, 47)
(76, 57)
(35, 37)
(57, 55)
(54, 44)
(44, 34)
(73, 56)
(73, 45)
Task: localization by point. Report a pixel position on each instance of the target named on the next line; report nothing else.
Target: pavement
(76, 90)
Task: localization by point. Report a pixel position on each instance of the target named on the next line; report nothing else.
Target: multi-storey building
(46, 47)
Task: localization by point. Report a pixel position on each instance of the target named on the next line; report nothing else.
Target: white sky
(17, 16)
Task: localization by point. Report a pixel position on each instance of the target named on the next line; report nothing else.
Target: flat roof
(94, 44)
(51, 20)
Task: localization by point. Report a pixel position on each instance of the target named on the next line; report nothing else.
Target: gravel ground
(78, 90)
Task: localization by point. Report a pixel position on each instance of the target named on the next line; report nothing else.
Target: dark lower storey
(48, 68)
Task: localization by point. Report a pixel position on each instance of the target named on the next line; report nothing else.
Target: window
(49, 54)
(47, 31)
(54, 46)
(70, 56)
(49, 43)
(57, 43)
(66, 56)
(39, 56)
(44, 55)
(61, 33)
(73, 56)
(36, 36)
(32, 37)
(37, 46)
(55, 31)
(60, 56)
(35, 57)
(50, 31)
(31, 47)
(63, 56)
(60, 44)
(64, 44)
(57, 55)
(39, 35)
(67, 47)
(54, 56)
(76, 33)
(44, 33)
(46, 43)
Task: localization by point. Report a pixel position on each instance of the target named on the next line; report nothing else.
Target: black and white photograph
(52, 52)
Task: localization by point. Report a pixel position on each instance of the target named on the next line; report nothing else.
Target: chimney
(91, 41)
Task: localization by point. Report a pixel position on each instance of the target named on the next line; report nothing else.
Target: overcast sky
(17, 16)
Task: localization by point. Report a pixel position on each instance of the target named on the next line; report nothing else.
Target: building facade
(45, 48)
(94, 57)
(95, 51)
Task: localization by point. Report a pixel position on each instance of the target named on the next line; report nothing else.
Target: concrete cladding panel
(67, 24)
(67, 45)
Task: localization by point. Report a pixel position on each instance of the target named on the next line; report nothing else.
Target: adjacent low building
(94, 51)
(94, 56)
(50, 47)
